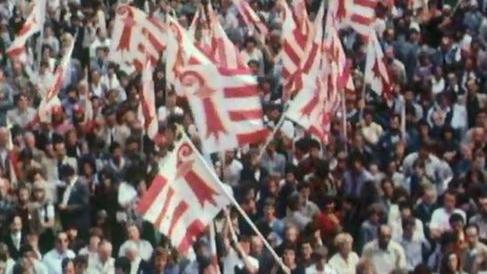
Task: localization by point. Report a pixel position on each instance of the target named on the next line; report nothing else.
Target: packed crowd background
(391, 192)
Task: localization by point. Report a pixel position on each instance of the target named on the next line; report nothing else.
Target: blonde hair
(342, 238)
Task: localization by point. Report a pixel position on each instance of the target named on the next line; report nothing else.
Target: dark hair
(65, 263)
(456, 217)
(444, 267)
(122, 263)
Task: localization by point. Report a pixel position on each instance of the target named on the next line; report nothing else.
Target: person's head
(23, 194)
(408, 226)
(122, 265)
(15, 224)
(62, 242)
(289, 255)
(387, 188)
(384, 235)
(133, 232)
(472, 235)
(161, 259)
(364, 266)
(306, 249)
(23, 266)
(38, 192)
(449, 201)
(4, 253)
(22, 102)
(244, 243)
(343, 242)
(67, 265)
(482, 204)
(291, 234)
(374, 213)
(429, 195)
(405, 209)
(457, 222)
(80, 264)
(131, 251)
(96, 234)
(269, 209)
(104, 250)
(256, 245)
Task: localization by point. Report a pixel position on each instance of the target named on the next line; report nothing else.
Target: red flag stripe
(193, 230)
(252, 137)
(240, 92)
(289, 51)
(363, 20)
(177, 214)
(157, 185)
(244, 115)
(366, 3)
(167, 201)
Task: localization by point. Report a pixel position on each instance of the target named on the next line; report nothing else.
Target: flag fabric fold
(376, 71)
(33, 24)
(225, 105)
(147, 107)
(135, 36)
(184, 197)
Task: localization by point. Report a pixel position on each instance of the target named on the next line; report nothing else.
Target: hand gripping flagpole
(237, 206)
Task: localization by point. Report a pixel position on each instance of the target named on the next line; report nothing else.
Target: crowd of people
(401, 188)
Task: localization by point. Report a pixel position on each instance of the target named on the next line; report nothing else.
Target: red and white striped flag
(50, 98)
(334, 52)
(33, 24)
(214, 42)
(358, 14)
(312, 60)
(225, 104)
(135, 36)
(307, 107)
(376, 71)
(250, 18)
(147, 107)
(180, 51)
(294, 41)
(184, 197)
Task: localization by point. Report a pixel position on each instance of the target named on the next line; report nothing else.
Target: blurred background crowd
(387, 193)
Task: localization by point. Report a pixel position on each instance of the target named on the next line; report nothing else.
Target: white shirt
(343, 266)
(53, 260)
(134, 266)
(232, 260)
(313, 270)
(144, 247)
(99, 267)
(231, 172)
(387, 260)
(441, 219)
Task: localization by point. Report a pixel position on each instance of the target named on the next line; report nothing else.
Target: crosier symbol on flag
(214, 125)
(185, 161)
(184, 197)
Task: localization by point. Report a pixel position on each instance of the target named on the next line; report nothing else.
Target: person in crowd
(384, 253)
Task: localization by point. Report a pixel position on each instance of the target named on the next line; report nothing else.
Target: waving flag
(376, 71)
(51, 96)
(358, 14)
(33, 24)
(184, 197)
(181, 51)
(147, 107)
(225, 105)
(312, 60)
(294, 41)
(135, 36)
(250, 18)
